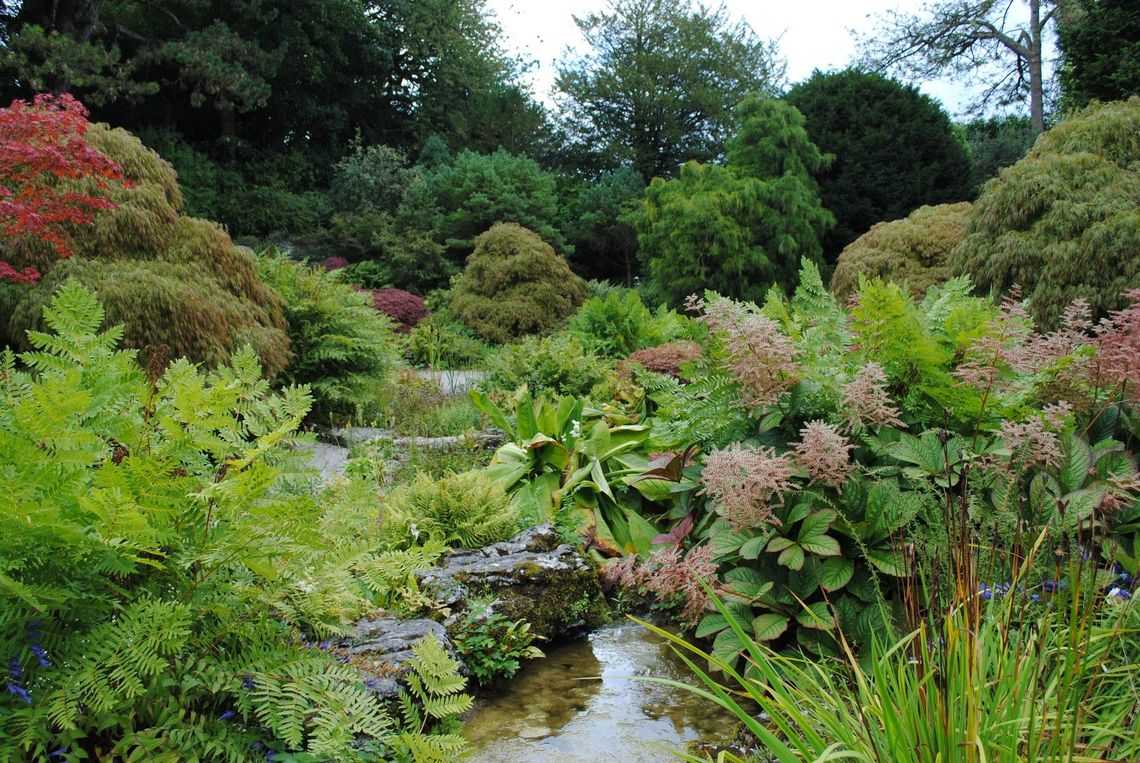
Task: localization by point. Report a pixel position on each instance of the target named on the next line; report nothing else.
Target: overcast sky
(813, 34)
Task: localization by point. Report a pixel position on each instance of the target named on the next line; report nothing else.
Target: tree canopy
(895, 150)
(979, 40)
(1100, 47)
(659, 82)
(741, 228)
(1064, 222)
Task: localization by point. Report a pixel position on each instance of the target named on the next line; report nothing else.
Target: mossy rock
(532, 577)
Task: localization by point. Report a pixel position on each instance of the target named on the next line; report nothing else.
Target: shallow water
(558, 710)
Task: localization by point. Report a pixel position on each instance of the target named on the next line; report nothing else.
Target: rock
(534, 577)
(380, 649)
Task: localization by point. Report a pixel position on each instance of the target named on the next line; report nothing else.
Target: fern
(433, 701)
(157, 573)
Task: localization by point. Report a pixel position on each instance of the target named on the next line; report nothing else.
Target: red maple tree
(41, 144)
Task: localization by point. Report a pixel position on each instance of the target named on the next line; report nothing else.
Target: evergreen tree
(895, 150)
(742, 228)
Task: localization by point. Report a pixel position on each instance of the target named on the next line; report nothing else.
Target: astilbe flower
(670, 573)
(866, 400)
(743, 481)
(760, 358)
(1002, 348)
(1123, 491)
(824, 453)
(1118, 348)
(1031, 443)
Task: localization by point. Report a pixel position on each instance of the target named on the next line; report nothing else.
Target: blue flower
(60, 753)
(1120, 593)
(247, 681)
(41, 655)
(19, 692)
(257, 747)
(14, 668)
(226, 715)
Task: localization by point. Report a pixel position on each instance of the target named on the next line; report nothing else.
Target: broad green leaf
(753, 547)
(816, 524)
(769, 626)
(726, 647)
(779, 543)
(1076, 462)
(821, 545)
(724, 540)
(641, 532)
(889, 562)
(836, 572)
(484, 404)
(816, 615)
(791, 557)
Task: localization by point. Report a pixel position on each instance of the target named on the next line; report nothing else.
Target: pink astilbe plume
(866, 400)
(758, 355)
(1031, 443)
(1118, 349)
(668, 573)
(1001, 349)
(743, 481)
(824, 453)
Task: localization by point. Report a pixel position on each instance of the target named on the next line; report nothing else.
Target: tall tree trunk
(1036, 77)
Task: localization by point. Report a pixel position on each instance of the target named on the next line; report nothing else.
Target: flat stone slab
(380, 649)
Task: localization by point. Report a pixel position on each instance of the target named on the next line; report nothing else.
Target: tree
(1100, 47)
(177, 284)
(742, 228)
(967, 37)
(605, 244)
(995, 143)
(658, 85)
(895, 150)
(42, 146)
(1064, 222)
(475, 191)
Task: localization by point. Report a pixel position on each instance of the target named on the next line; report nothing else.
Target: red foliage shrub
(403, 307)
(335, 262)
(42, 144)
(663, 359)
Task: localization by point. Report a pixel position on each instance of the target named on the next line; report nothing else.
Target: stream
(558, 710)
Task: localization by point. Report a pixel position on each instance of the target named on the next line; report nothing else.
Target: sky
(813, 34)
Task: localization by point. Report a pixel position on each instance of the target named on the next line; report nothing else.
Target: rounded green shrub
(467, 509)
(1064, 222)
(911, 251)
(177, 284)
(514, 284)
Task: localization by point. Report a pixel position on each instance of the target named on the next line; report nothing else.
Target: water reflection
(558, 710)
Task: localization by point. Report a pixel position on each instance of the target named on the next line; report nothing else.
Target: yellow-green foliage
(1064, 222)
(514, 284)
(174, 282)
(910, 251)
(467, 509)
